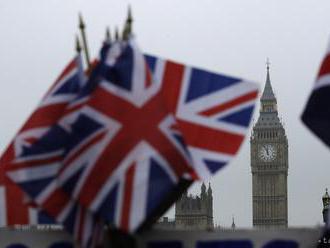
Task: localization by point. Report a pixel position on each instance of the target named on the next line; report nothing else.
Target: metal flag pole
(84, 39)
(78, 46)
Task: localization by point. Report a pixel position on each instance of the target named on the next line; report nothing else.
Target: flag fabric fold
(139, 126)
(316, 114)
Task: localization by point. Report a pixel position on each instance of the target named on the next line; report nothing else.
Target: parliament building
(191, 212)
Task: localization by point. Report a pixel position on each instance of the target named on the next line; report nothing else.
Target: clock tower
(269, 164)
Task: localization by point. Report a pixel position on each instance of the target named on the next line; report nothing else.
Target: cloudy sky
(229, 36)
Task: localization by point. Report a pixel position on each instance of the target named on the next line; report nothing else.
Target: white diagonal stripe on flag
(23, 175)
(140, 194)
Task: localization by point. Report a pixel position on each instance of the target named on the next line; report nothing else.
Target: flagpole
(78, 46)
(84, 39)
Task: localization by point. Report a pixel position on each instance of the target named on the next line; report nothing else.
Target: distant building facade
(195, 212)
(269, 165)
(191, 212)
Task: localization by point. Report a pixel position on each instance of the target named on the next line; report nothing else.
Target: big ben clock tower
(269, 164)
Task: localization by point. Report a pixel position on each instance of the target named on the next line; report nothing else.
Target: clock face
(267, 152)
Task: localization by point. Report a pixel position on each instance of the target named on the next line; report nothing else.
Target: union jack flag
(14, 208)
(212, 111)
(51, 109)
(147, 124)
(44, 151)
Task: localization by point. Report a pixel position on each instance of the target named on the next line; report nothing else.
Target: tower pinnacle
(268, 64)
(268, 93)
(326, 198)
(203, 189)
(326, 203)
(233, 225)
(209, 190)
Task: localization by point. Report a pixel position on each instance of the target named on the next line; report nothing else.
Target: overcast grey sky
(229, 36)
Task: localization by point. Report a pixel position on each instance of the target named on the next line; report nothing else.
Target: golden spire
(107, 35)
(128, 25)
(267, 64)
(129, 15)
(84, 39)
(268, 93)
(116, 34)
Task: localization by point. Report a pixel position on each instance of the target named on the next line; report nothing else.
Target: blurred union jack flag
(148, 123)
(14, 209)
(212, 111)
(17, 208)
